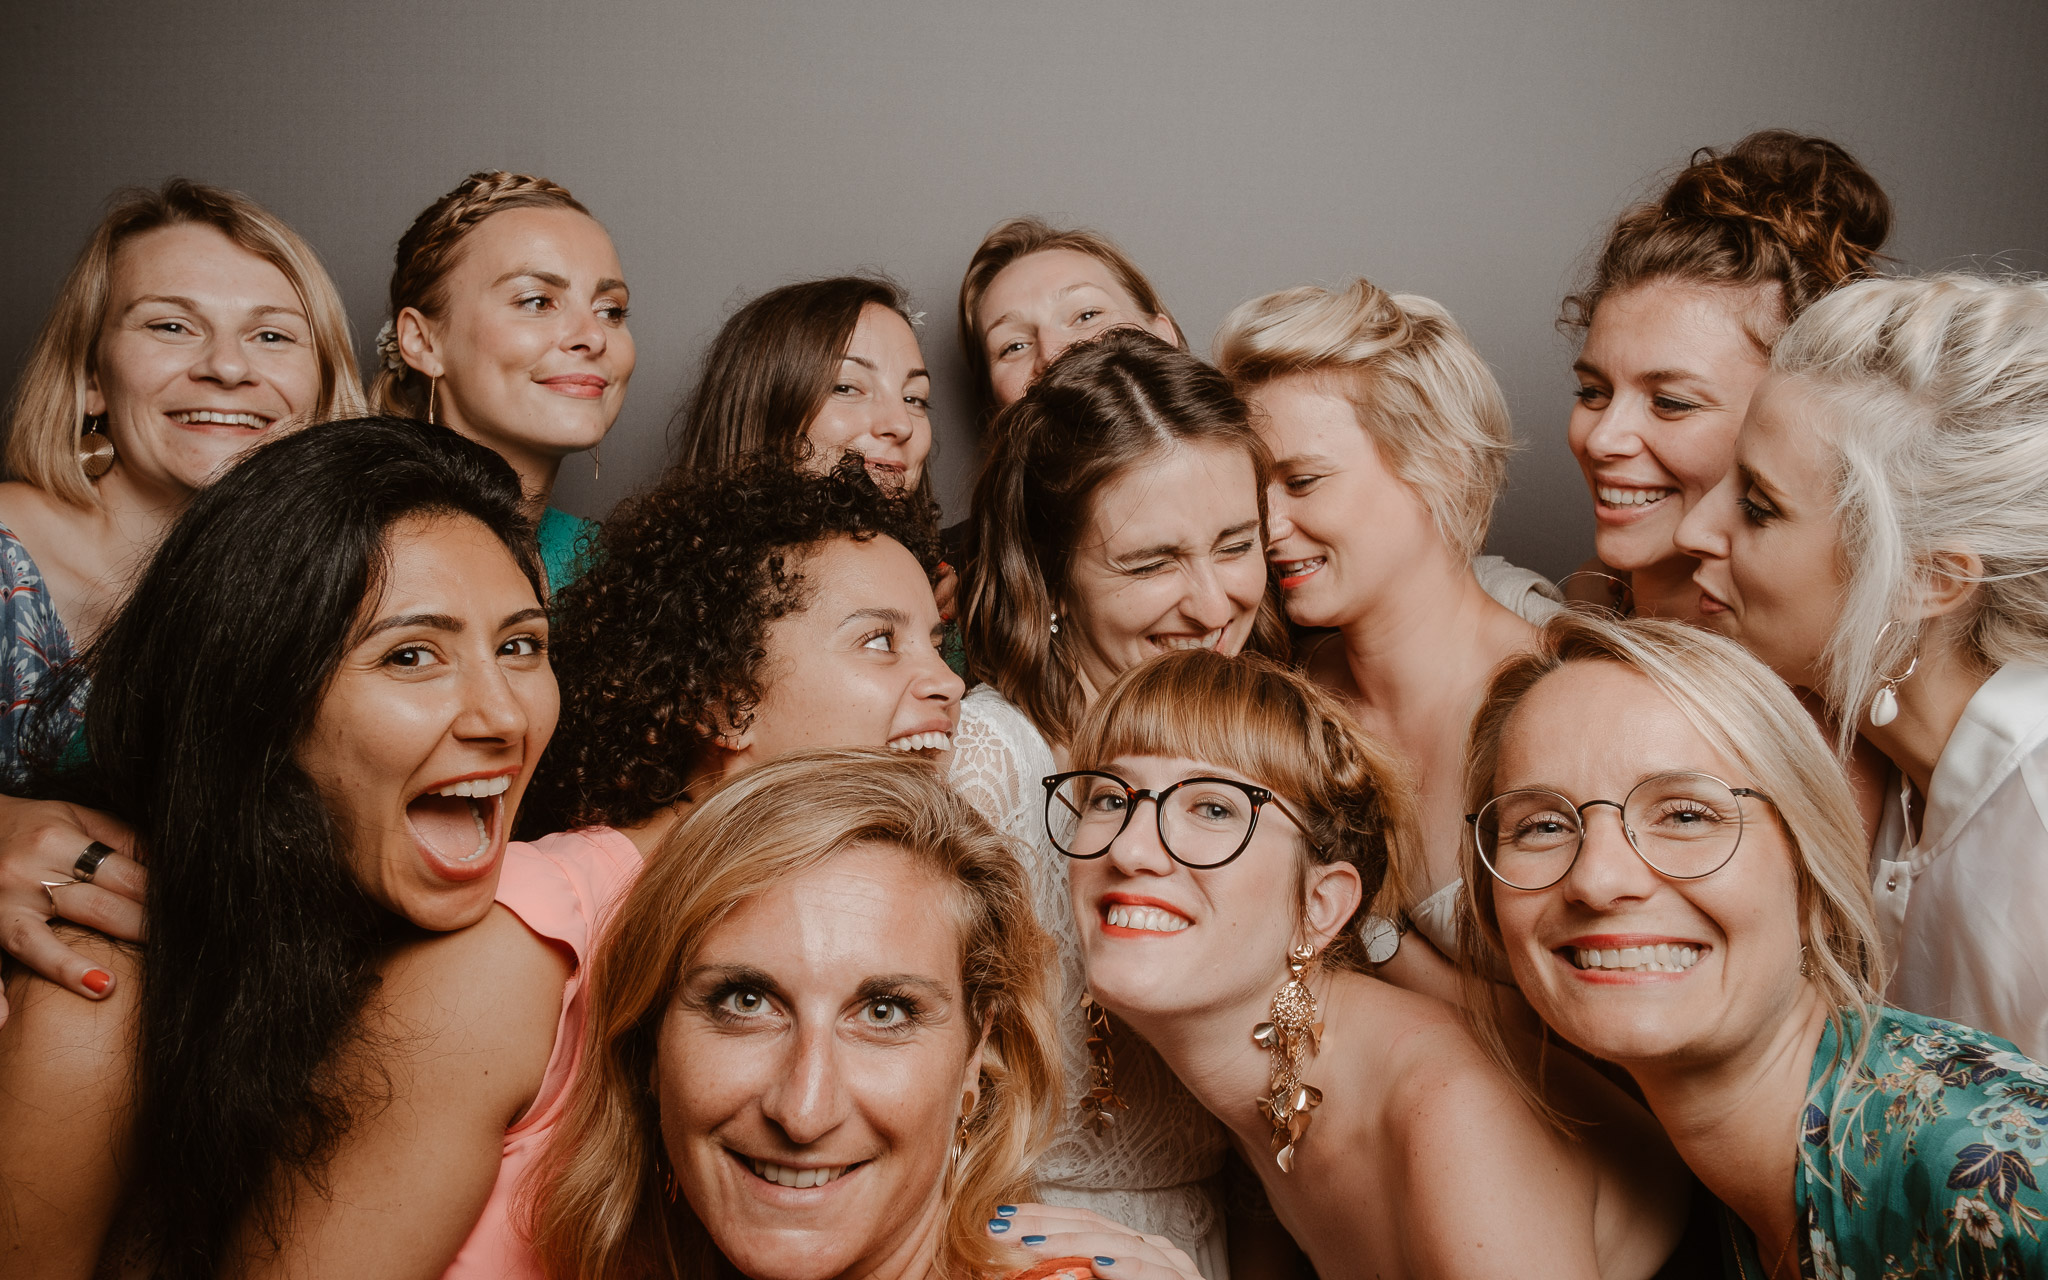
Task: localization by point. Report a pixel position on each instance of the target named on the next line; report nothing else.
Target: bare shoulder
(494, 985)
(57, 1034)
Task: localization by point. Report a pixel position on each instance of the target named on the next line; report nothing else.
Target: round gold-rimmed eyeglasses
(1684, 825)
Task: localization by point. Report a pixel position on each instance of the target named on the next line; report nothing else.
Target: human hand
(1113, 1251)
(40, 845)
(946, 590)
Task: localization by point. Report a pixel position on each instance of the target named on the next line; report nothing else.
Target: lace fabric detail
(1155, 1169)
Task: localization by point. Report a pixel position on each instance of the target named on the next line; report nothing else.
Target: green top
(564, 546)
(1920, 1158)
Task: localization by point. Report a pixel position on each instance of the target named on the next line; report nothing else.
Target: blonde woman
(1390, 442)
(789, 1074)
(1668, 858)
(193, 325)
(1226, 824)
(1883, 539)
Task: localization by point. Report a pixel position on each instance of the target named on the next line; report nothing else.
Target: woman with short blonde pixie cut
(1883, 539)
(1226, 826)
(618, 1194)
(1390, 441)
(1668, 856)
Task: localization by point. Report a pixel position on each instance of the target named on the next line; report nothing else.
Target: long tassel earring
(433, 387)
(1099, 1107)
(1293, 1037)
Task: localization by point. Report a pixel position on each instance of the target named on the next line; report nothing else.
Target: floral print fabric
(33, 645)
(1921, 1157)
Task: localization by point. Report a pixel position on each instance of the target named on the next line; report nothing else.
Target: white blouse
(1965, 908)
(1157, 1168)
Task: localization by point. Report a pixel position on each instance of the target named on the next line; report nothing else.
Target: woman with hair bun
(1883, 540)
(1676, 322)
(508, 323)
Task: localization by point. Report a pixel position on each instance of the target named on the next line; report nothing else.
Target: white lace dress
(1157, 1169)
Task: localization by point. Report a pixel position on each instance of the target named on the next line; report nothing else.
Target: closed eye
(1756, 510)
(1590, 396)
(1672, 405)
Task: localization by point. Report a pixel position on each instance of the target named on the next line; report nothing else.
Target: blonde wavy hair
(47, 416)
(1417, 385)
(1748, 715)
(429, 250)
(599, 1202)
(1937, 392)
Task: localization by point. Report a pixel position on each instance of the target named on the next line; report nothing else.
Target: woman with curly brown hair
(1677, 321)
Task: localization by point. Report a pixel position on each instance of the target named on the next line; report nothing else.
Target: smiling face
(1664, 379)
(880, 403)
(1772, 572)
(1045, 302)
(1727, 944)
(429, 731)
(530, 346)
(205, 347)
(1169, 559)
(810, 1071)
(860, 665)
(1344, 528)
(1161, 939)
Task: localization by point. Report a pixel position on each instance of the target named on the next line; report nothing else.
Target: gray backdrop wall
(1467, 149)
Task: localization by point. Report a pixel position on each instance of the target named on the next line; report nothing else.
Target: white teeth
(1209, 641)
(1150, 919)
(1298, 568)
(783, 1176)
(483, 832)
(1664, 957)
(215, 417)
(1632, 497)
(933, 741)
(477, 787)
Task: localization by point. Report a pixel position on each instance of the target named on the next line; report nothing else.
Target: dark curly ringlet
(1778, 208)
(1278, 728)
(262, 945)
(1102, 409)
(665, 636)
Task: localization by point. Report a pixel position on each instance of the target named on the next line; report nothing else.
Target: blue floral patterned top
(33, 645)
(564, 546)
(1921, 1158)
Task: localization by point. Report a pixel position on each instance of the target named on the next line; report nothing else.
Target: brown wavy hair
(600, 1200)
(1777, 208)
(1018, 238)
(665, 634)
(1283, 731)
(429, 250)
(1101, 409)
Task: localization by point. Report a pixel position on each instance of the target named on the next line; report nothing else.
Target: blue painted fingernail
(1006, 1211)
(997, 1226)
(1032, 1240)
(1105, 1262)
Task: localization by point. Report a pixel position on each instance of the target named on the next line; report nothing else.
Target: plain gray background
(1471, 150)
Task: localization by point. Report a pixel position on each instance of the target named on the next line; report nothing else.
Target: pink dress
(562, 887)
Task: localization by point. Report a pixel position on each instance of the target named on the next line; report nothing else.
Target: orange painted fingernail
(97, 981)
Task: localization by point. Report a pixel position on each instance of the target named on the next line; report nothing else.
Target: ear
(416, 342)
(1161, 327)
(970, 1078)
(1951, 578)
(1334, 892)
(95, 399)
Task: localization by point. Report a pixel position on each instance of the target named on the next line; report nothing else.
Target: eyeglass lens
(1685, 825)
(1202, 822)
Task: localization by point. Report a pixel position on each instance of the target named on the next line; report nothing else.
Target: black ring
(88, 864)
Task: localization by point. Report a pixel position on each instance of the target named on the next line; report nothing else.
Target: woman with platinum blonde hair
(820, 1044)
(1390, 442)
(1226, 823)
(1883, 539)
(1712, 935)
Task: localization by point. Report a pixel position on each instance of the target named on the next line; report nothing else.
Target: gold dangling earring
(1099, 1107)
(433, 386)
(959, 1152)
(1293, 1037)
(596, 461)
(95, 449)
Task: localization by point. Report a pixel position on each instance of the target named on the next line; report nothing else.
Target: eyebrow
(1302, 460)
(189, 305)
(445, 622)
(876, 614)
(886, 984)
(870, 366)
(1174, 548)
(735, 974)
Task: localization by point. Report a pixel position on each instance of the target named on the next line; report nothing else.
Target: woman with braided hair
(1677, 320)
(508, 323)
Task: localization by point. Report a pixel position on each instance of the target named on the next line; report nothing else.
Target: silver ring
(88, 864)
(50, 888)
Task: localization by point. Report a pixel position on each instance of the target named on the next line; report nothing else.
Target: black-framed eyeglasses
(1684, 825)
(1203, 822)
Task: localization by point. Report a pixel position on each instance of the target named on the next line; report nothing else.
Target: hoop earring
(960, 1134)
(1100, 1105)
(1293, 1037)
(433, 386)
(1884, 708)
(95, 448)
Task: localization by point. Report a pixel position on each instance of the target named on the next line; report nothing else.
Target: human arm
(1117, 1252)
(67, 1074)
(40, 841)
(462, 1028)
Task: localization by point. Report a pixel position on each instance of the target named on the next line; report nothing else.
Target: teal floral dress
(565, 542)
(1921, 1158)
